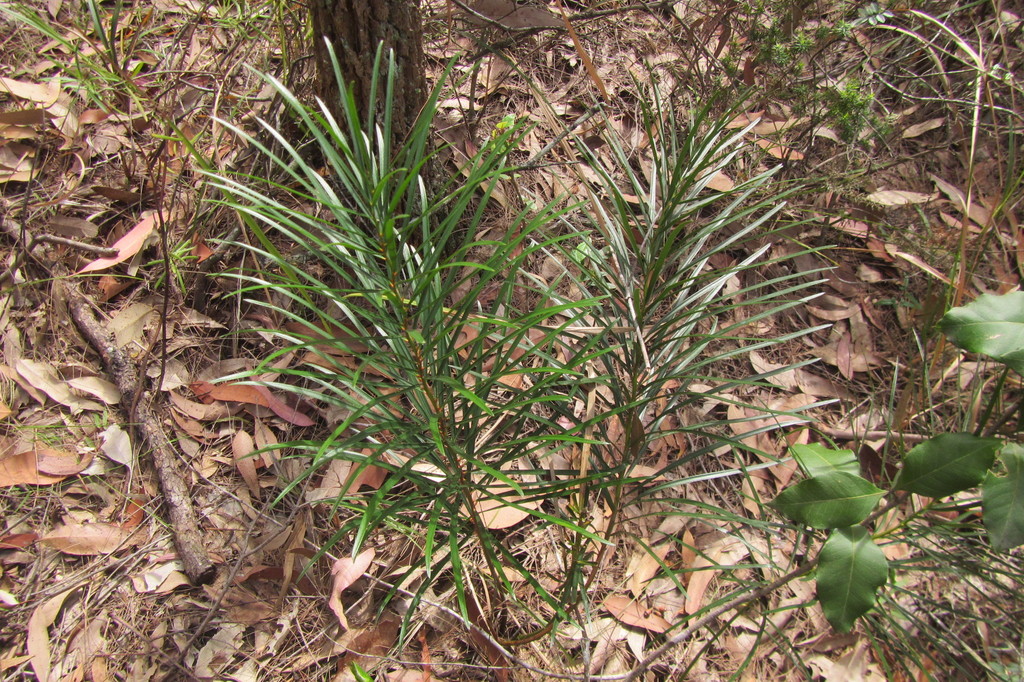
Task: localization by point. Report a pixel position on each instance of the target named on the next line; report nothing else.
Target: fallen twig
(184, 523)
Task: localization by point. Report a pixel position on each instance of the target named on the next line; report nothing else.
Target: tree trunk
(355, 28)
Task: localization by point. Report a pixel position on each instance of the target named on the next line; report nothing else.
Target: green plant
(487, 391)
(851, 564)
(849, 107)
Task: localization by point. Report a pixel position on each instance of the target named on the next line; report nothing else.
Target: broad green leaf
(833, 500)
(946, 464)
(992, 325)
(816, 459)
(1003, 500)
(850, 568)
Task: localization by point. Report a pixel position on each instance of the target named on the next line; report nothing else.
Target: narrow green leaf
(816, 459)
(1003, 500)
(832, 500)
(992, 325)
(851, 567)
(946, 464)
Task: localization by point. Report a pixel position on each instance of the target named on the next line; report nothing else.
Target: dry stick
(28, 243)
(850, 434)
(188, 538)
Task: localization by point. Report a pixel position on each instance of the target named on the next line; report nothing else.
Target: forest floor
(899, 125)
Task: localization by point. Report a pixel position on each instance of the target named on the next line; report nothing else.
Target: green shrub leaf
(947, 464)
(1003, 500)
(832, 500)
(816, 459)
(851, 567)
(992, 325)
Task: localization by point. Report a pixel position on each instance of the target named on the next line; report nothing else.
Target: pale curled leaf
(898, 197)
(97, 387)
(117, 446)
(346, 571)
(44, 377)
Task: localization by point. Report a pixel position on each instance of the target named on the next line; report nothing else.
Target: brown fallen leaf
(23, 117)
(346, 571)
(977, 213)
(17, 162)
(88, 539)
(265, 438)
(41, 93)
(212, 411)
(778, 151)
(720, 182)
(17, 540)
(494, 507)
(745, 119)
(98, 388)
(242, 447)
(923, 127)
(643, 566)
(123, 196)
(252, 395)
(61, 463)
(23, 469)
(368, 647)
(722, 553)
(630, 612)
(38, 636)
(371, 476)
(511, 16)
(72, 228)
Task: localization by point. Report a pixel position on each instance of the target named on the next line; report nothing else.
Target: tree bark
(355, 28)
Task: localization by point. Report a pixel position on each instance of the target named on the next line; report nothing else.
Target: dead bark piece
(184, 524)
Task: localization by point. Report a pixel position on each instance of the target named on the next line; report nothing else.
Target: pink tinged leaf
(282, 410)
(346, 571)
(127, 246)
